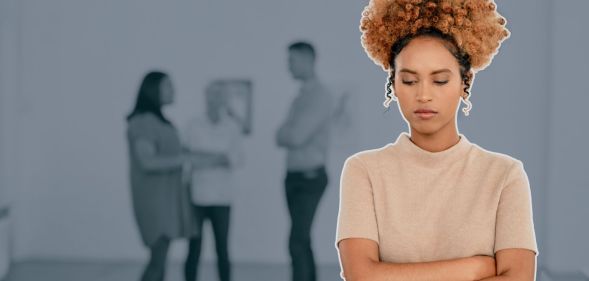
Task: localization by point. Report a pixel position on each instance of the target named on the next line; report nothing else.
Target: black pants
(219, 218)
(303, 193)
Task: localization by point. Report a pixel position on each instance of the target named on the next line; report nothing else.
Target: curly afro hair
(475, 26)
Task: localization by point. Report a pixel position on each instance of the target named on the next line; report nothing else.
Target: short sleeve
(515, 225)
(142, 126)
(357, 216)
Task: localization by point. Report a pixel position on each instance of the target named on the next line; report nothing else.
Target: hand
(185, 159)
(223, 160)
(186, 169)
(484, 267)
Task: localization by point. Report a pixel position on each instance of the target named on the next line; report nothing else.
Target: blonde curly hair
(474, 27)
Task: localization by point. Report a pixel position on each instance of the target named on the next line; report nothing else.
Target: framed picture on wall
(238, 95)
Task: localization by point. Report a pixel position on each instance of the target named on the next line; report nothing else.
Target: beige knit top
(424, 206)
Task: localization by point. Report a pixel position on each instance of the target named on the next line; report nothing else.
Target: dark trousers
(219, 218)
(303, 193)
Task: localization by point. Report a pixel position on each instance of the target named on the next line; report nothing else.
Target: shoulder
(142, 123)
(371, 158)
(141, 119)
(324, 93)
(373, 154)
(486, 155)
(506, 165)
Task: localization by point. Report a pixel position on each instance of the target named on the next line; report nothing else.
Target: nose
(423, 93)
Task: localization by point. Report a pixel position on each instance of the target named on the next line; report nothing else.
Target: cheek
(449, 100)
(402, 90)
(405, 102)
(169, 95)
(452, 92)
(405, 95)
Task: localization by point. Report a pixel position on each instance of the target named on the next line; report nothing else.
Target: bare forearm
(204, 159)
(508, 277)
(514, 265)
(499, 278)
(150, 161)
(156, 164)
(448, 270)
(361, 262)
(282, 138)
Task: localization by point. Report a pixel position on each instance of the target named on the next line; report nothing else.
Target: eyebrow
(433, 72)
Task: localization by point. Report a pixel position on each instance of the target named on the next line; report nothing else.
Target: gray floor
(65, 271)
(551, 276)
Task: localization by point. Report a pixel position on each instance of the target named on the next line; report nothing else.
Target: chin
(425, 129)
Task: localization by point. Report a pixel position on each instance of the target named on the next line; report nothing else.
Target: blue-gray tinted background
(70, 70)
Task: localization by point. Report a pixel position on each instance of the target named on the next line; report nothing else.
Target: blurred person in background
(161, 204)
(305, 136)
(218, 132)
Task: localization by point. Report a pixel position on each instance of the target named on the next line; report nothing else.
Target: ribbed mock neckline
(414, 153)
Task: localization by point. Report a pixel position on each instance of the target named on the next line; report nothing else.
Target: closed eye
(409, 82)
(441, 82)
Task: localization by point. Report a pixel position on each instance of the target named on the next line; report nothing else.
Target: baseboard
(552, 275)
(585, 273)
(5, 258)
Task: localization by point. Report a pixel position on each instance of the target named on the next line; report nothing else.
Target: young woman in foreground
(433, 205)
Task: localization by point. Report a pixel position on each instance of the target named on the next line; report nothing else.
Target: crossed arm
(303, 121)
(360, 262)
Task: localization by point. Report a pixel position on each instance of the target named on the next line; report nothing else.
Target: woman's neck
(436, 142)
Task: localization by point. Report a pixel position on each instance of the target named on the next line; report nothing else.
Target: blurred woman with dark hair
(161, 203)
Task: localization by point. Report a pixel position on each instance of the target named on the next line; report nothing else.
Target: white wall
(79, 66)
(11, 106)
(568, 180)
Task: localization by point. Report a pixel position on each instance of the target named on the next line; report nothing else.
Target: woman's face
(427, 78)
(166, 91)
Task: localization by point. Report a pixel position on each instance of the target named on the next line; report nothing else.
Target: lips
(425, 113)
(425, 110)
